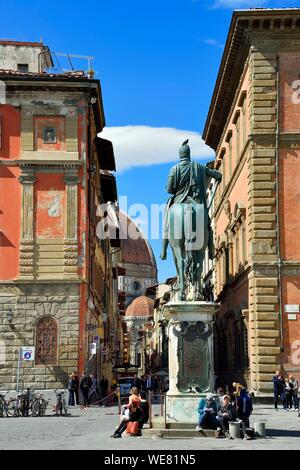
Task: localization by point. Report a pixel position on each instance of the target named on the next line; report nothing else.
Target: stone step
(177, 433)
(190, 426)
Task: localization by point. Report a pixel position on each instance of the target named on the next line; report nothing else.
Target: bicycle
(39, 405)
(21, 406)
(3, 406)
(60, 409)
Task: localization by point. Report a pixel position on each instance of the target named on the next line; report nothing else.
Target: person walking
(76, 387)
(93, 391)
(149, 383)
(295, 385)
(279, 387)
(288, 391)
(71, 390)
(85, 385)
(103, 387)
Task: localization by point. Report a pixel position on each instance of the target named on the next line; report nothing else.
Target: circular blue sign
(27, 355)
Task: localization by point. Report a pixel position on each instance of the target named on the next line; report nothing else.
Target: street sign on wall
(27, 353)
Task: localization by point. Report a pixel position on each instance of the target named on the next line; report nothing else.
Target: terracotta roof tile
(141, 307)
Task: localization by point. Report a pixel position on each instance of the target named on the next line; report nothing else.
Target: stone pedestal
(191, 364)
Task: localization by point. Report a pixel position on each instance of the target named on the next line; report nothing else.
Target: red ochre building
(56, 278)
(253, 125)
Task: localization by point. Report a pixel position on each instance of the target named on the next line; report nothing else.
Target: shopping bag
(132, 428)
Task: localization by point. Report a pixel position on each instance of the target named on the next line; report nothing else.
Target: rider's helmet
(185, 151)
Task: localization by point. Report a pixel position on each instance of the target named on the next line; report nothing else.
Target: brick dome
(135, 248)
(141, 307)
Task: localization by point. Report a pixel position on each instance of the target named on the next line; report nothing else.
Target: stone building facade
(49, 123)
(253, 126)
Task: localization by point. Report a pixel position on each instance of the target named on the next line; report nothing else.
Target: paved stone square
(91, 430)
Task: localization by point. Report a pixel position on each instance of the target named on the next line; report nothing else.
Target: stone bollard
(235, 429)
(260, 429)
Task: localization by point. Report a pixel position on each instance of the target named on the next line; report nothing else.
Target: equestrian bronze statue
(187, 225)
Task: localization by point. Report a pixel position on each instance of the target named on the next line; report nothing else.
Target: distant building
(137, 260)
(136, 271)
(138, 318)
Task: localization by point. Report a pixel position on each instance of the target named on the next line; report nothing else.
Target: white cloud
(213, 42)
(144, 145)
(239, 3)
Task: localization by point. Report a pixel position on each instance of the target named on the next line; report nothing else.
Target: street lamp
(9, 316)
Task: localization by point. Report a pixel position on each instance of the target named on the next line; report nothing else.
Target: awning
(109, 226)
(105, 153)
(108, 188)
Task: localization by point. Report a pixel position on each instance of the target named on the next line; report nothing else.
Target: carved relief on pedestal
(193, 356)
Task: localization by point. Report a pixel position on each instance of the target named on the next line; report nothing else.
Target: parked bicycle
(6, 408)
(60, 409)
(21, 406)
(38, 405)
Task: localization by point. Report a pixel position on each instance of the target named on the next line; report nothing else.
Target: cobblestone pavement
(91, 429)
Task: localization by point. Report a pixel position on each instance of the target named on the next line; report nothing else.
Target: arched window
(46, 341)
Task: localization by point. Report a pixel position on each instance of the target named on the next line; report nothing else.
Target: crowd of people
(217, 411)
(149, 383)
(287, 390)
(86, 390)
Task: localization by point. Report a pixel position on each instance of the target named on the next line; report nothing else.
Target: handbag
(132, 428)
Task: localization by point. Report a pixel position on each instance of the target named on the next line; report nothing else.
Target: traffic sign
(27, 353)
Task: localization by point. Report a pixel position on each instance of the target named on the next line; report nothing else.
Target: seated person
(207, 413)
(244, 407)
(135, 414)
(144, 406)
(219, 396)
(226, 413)
(134, 396)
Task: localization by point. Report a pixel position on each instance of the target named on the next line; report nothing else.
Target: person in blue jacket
(244, 407)
(207, 410)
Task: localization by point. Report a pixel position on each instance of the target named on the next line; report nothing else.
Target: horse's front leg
(198, 290)
(178, 255)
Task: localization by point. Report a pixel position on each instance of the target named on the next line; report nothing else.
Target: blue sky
(157, 61)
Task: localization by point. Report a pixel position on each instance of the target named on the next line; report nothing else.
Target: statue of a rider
(187, 183)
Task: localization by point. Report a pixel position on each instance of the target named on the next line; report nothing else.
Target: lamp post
(9, 316)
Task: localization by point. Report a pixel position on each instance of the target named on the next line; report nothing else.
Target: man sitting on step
(226, 413)
(207, 410)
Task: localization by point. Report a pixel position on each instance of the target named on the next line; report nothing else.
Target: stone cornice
(43, 166)
(246, 26)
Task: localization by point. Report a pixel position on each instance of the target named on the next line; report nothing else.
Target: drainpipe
(279, 260)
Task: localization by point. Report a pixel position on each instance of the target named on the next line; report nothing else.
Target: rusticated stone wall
(29, 304)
